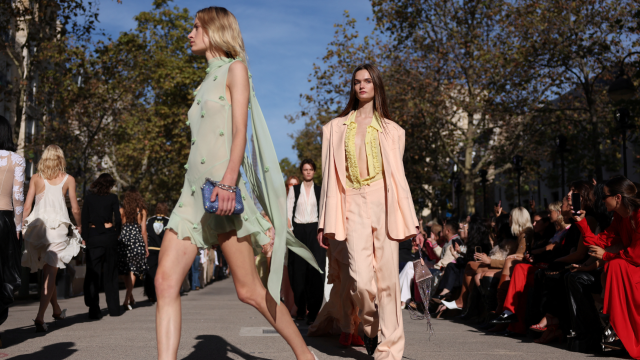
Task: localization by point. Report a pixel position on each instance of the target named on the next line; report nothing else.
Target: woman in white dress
(51, 241)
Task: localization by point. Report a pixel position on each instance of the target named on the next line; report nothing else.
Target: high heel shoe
(40, 327)
(127, 307)
(61, 316)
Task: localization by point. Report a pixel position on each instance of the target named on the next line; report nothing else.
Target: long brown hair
(380, 106)
(131, 204)
(620, 185)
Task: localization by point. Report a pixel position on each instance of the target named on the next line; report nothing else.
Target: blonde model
(366, 202)
(51, 240)
(218, 123)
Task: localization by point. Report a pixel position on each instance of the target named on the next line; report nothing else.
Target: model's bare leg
(48, 288)
(239, 255)
(175, 259)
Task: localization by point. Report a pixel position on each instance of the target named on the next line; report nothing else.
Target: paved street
(217, 326)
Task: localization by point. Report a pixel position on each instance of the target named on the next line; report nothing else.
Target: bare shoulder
(71, 180)
(239, 70)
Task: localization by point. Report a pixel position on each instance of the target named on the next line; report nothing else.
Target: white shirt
(307, 209)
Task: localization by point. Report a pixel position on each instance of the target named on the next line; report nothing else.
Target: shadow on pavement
(15, 336)
(57, 351)
(213, 344)
(329, 345)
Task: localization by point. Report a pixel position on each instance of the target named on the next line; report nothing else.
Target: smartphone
(478, 249)
(575, 202)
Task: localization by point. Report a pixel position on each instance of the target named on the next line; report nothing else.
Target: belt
(153, 248)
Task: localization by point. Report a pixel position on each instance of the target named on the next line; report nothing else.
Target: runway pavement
(217, 326)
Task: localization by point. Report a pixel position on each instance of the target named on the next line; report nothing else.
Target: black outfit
(101, 251)
(405, 255)
(585, 319)
(549, 288)
(132, 256)
(306, 282)
(155, 233)
(10, 252)
(454, 271)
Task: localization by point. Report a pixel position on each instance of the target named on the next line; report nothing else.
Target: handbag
(423, 278)
(212, 206)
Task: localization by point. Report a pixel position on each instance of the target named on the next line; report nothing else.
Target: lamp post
(517, 165)
(483, 180)
(622, 89)
(561, 148)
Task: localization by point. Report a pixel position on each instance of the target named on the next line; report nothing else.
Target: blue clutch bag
(212, 206)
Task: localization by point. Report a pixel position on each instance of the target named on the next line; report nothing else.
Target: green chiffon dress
(211, 127)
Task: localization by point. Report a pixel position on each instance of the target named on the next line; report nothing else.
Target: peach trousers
(373, 268)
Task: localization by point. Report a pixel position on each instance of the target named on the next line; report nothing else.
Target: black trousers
(453, 275)
(102, 264)
(585, 321)
(307, 283)
(149, 280)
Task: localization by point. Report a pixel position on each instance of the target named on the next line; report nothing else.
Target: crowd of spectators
(560, 274)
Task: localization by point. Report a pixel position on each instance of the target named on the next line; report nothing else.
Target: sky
(283, 38)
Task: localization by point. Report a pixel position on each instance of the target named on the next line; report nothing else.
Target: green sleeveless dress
(211, 127)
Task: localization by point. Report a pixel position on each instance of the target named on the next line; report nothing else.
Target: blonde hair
(223, 31)
(520, 220)
(557, 207)
(52, 162)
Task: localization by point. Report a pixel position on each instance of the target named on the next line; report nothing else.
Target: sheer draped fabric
(12, 184)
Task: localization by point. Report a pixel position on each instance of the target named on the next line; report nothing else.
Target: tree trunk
(596, 142)
(469, 198)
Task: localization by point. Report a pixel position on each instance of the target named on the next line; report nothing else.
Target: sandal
(538, 328)
(61, 316)
(40, 327)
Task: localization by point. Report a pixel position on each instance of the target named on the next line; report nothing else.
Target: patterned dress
(131, 253)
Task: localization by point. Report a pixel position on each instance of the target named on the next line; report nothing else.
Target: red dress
(622, 290)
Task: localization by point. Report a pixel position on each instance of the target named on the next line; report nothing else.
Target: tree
(31, 25)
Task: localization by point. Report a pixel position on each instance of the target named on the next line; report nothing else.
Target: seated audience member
(521, 227)
(514, 308)
(450, 233)
(622, 271)
(549, 300)
(456, 273)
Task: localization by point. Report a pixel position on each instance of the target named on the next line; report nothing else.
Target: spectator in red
(622, 294)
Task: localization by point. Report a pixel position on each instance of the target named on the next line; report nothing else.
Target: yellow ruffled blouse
(372, 147)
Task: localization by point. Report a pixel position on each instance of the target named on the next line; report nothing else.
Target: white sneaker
(451, 305)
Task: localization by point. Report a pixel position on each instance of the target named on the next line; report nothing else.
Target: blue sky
(283, 39)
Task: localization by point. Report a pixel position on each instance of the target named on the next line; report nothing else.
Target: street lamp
(561, 148)
(622, 89)
(517, 165)
(483, 180)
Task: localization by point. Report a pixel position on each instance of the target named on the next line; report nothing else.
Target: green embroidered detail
(188, 122)
(250, 76)
(202, 161)
(244, 197)
(245, 218)
(198, 101)
(221, 133)
(195, 92)
(202, 113)
(193, 189)
(249, 106)
(186, 167)
(193, 141)
(215, 77)
(195, 226)
(221, 98)
(266, 169)
(208, 70)
(180, 204)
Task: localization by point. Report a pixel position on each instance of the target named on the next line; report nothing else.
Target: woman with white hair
(51, 240)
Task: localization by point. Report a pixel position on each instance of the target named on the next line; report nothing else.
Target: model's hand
(420, 240)
(323, 241)
(482, 258)
(596, 251)
(146, 250)
(18, 234)
(226, 201)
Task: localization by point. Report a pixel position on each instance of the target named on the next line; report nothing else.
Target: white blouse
(307, 210)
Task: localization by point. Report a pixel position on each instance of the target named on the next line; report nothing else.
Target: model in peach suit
(366, 201)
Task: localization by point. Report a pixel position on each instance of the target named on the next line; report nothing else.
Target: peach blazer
(402, 222)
